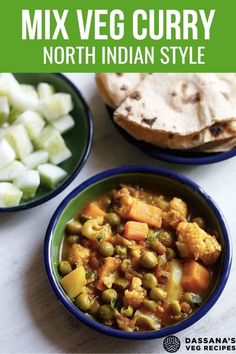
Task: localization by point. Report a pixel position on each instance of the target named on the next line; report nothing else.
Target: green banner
(118, 36)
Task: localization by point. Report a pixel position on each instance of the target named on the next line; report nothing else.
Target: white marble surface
(31, 319)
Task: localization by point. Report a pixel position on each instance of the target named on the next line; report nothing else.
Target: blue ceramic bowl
(151, 178)
(78, 140)
(184, 157)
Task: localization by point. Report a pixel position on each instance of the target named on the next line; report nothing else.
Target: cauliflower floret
(135, 253)
(177, 211)
(78, 254)
(135, 295)
(195, 242)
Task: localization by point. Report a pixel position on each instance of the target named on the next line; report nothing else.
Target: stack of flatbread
(175, 111)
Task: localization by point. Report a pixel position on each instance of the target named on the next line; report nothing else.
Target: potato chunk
(74, 282)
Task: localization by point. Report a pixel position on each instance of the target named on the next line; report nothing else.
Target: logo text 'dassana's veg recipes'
(104, 27)
(172, 344)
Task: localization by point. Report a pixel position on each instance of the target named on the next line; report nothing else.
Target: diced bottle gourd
(56, 105)
(51, 175)
(11, 171)
(45, 90)
(63, 124)
(35, 159)
(32, 122)
(4, 109)
(51, 141)
(10, 195)
(28, 183)
(18, 138)
(7, 154)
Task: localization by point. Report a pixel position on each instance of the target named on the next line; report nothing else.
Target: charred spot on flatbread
(136, 96)
(149, 121)
(124, 88)
(128, 109)
(216, 130)
(119, 74)
(195, 98)
(170, 136)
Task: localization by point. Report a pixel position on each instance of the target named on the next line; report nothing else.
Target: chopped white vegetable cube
(10, 87)
(56, 105)
(11, 171)
(8, 83)
(63, 124)
(51, 141)
(30, 91)
(4, 109)
(36, 158)
(33, 123)
(22, 101)
(14, 114)
(10, 195)
(7, 154)
(45, 90)
(18, 138)
(51, 175)
(28, 183)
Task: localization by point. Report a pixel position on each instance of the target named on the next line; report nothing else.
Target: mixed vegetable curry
(136, 260)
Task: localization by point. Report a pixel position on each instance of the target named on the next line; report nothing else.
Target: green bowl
(78, 140)
(152, 179)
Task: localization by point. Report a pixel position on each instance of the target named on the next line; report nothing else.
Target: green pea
(105, 312)
(74, 227)
(127, 311)
(192, 299)
(158, 247)
(65, 267)
(112, 218)
(166, 238)
(149, 260)
(150, 304)
(176, 308)
(83, 302)
(83, 218)
(200, 221)
(73, 239)
(158, 294)
(149, 281)
(94, 308)
(109, 295)
(106, 248)
(170, 253)
(125, 265)
(106, 201)
(121, 251)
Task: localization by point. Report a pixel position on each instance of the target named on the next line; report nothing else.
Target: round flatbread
(179, 104)
(115, 88)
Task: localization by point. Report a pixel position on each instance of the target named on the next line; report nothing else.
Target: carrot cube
(196, 278)
(136, 230)
(93, 210)
(143, 212)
